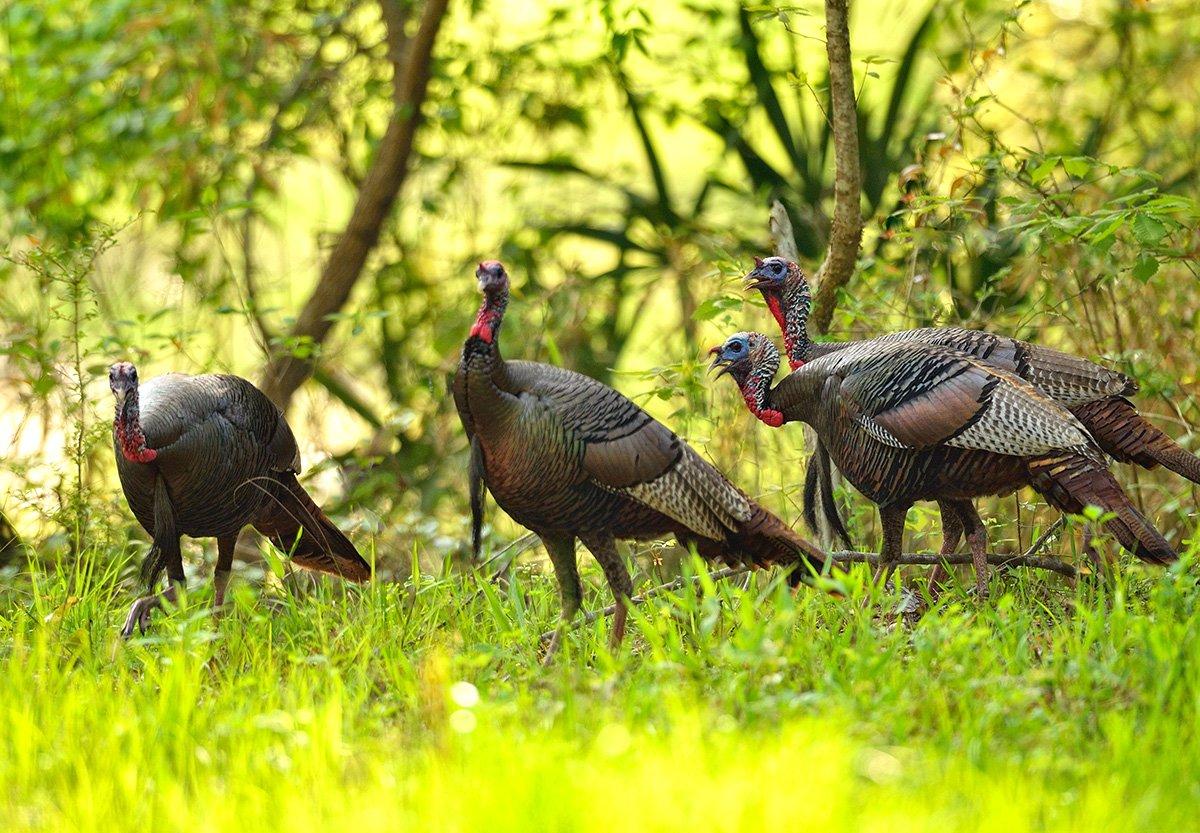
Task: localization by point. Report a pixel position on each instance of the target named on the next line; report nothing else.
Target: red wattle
(141, 455)
(484, 327)
(482, 331)
(133, 445)
(776, 311)
(771, 418)
(795, 364)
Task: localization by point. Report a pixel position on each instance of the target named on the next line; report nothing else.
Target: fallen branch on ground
(1026, 559)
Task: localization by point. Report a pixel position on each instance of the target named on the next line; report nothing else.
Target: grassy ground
(1047, 708)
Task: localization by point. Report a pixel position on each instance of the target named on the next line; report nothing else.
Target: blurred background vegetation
(271, 188)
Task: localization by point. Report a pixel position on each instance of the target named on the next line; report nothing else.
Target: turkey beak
(720, 365)
(757, 280)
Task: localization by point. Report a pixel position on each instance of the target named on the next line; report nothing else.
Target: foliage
(171, 177)
(422, 704)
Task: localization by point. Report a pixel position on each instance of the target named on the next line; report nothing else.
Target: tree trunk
(285, 372)
(783, 237)
(845, 234)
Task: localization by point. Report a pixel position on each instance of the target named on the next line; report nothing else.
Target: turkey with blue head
(907, 421)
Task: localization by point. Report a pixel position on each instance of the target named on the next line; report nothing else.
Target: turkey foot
(555, 641)
(139, 612)
(618, 626)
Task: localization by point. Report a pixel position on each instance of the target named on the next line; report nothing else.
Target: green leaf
(1044, 169)
(710, 308)
(1145, 268)
(1077, 166)
(1106, 228)
(1148, 230)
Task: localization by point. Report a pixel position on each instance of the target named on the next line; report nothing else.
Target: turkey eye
(737, 348)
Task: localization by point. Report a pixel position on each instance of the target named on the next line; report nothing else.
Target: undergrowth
(422, 703)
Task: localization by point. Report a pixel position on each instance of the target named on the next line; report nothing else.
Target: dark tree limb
(285, 372)
(845, 234)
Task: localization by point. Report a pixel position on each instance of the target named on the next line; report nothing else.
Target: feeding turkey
(571, 458)
(906, 421)
(206, 456)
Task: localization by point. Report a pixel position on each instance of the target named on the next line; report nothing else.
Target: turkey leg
(892, 518)
(604, 548)
(566, 570)
(225, 548)
(977, 539)
(166, 548)
(952, 532)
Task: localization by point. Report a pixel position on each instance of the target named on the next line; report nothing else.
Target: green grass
(1047, 708)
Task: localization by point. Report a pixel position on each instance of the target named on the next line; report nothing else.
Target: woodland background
(298, 192)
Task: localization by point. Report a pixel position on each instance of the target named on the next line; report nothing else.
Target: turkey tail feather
(1073, 481)
(812, 483)
(1127, 436)
(828, 503)
(475, 475)
(1179, 460)
(295, 524)
(766, 540)
(818, 494)
(152, 567)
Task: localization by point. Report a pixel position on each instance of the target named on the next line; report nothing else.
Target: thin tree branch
(300, 84)
(782, 234)
(926, 559)
(286, 372)
(845, 233)
(784, 238)
(849, 557)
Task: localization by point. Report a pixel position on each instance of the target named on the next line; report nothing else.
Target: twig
(928, 559)
(526, 542)
(1046, 536)
(1026, 559)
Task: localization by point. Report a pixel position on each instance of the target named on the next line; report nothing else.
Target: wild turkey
(1096, 395)
(569, 457)
(907, 421)
(205, 456)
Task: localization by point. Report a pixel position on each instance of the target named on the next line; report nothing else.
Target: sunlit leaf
(1145, 268)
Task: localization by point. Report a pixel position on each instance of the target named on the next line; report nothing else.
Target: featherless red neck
(755, 389)
(493, 283)
(127, 425)
(752, 360)
(784, 288)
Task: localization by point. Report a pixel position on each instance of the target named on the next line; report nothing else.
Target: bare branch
(917, 559)
(302, 82)
(845, 233)
(782, 234)
(286, 372)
